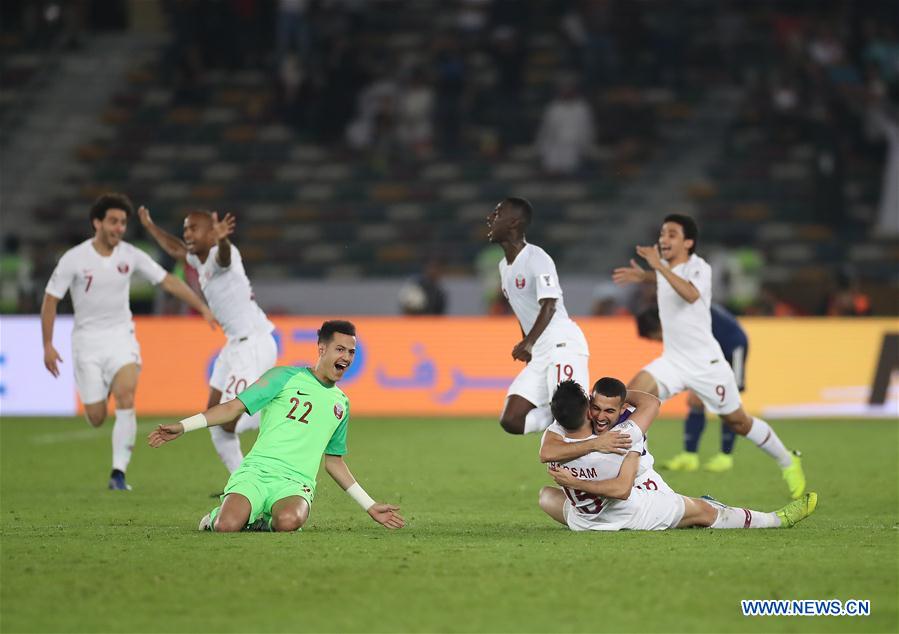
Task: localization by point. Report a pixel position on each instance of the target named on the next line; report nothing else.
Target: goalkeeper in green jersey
(304, 416)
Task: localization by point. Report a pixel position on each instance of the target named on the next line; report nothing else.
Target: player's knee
(738, 421)
(512, 425)
(228, 524)
(545, 498)
(288, 521)
(124, 400)
(95, 416)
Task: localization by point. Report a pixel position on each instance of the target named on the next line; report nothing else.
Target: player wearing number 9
(304, 416)
(691, 358)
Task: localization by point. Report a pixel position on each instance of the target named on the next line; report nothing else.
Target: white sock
(227, 444)
(730, 517)
(538, 419)
(124, 432)
(247, 422)
(765, 439)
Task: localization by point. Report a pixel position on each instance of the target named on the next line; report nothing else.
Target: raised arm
(169, 243)
(522, 350)
(179, 289)
(647, 408)
(619, 487)
(48, 318)
(216, 415)
(554, 448)
(384, 514)
(681, 286)
(222, 229)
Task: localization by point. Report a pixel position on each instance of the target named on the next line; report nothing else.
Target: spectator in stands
(423, 294)
(611, 299)
(566, 131)
(16, 277)
(415, 114)
(848, 300)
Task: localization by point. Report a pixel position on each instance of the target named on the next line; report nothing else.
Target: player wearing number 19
(304, 416)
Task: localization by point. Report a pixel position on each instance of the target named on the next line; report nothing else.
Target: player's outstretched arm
(216, 415)
(619, 487)
(48, 318)
(647, 408)
(179, 289)
(169, 243)
(633, 274)
(554, 448)
(386, 515)
(222, 229)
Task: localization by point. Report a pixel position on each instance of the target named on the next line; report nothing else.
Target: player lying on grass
(304, 416)
(600, 491)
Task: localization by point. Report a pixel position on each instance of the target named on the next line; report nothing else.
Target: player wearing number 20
(553, 346)
(304, 416)
(105, 352)
(251, 348)
(692, 358)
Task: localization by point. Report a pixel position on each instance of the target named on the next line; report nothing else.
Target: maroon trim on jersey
(748, 518)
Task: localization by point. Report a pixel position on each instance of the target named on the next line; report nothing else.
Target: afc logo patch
(520, 281)
(123, 268)
(338, 410)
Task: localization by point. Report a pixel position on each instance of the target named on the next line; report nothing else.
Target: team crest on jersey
(520, 281)
(123, 268)
(338, 410)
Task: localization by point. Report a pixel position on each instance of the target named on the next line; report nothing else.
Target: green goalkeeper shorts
(264, 488)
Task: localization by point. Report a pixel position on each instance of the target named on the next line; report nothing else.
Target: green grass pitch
(477, 554)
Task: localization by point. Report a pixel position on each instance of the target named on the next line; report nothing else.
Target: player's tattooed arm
(633, 274)
(619, 487)
(222, 229)
(522, 350)
(555, 449)
(169, 243)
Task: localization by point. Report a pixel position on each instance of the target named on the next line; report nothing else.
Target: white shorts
(642, 511)
(538, 380)
(98, 358)
(652, 480)
(241, 362)
(715, 385)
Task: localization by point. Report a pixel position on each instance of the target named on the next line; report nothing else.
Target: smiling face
(604, 411)
(111, 229)
(336, 356)
(673, 246)
(198, 233)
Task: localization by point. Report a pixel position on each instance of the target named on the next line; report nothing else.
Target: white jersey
(686, 327)
(100, 285)
(604, 466)
(229, 295)
(531, 277)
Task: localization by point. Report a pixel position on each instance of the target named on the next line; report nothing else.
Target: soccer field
(477, 554)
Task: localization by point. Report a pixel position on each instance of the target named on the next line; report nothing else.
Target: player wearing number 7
(304, 416)
(692, 358)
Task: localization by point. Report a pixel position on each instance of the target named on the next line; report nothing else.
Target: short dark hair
(326, 332)
(109, 201)
(569, 405)
(523, 206)
(691, 231)
(648, 322)
(609, 386)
